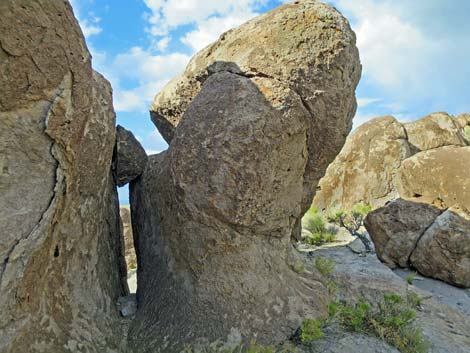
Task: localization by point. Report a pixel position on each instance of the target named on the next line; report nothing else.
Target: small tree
(352, 221)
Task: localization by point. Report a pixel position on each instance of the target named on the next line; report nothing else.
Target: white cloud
(148, 72)
(89, 25)
(209, 30)
(362, 102)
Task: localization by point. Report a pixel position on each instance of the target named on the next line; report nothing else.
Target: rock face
(396, 229)
(365, 169)
(214, 214)
(439, 176)
(422, 236)
(383, 160)
(129, 250)
(443, 252)
(129, 157)
(59, 249)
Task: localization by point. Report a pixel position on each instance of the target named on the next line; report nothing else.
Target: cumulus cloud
(413, 49)
(90, 24)
(209, 18)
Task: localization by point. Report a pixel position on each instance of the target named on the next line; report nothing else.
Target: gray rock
(59, 216)
(127, 305)
(129, 159)
(215, 213)
(396, 228)
(443, 252)
(443, 325)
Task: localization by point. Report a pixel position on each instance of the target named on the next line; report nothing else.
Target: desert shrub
(466, 131)
(315, 223)
(391, 320)
(324, 266)
(410, 278)
(299, 267)
(311, 330)
(352, 221)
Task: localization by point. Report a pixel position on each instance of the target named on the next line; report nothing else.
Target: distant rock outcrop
(424, 237)
(384, 159)
(253, 123)
(129, 250)
(129, 158)
(59, 214)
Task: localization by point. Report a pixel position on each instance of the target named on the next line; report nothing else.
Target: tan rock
(433, 131)
(365, 169)
(438, 176)
(443, 252)
(215, 213)
(131, 259)
(59, 248)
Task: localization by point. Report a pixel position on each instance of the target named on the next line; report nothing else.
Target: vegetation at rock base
(326, 267)
(391, 320)
(410, 278)
(315, 224)
(311, 330)
(353, 221)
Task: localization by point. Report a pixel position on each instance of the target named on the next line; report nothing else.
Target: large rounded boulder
(252, 124)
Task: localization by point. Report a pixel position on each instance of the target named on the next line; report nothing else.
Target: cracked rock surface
(59, 216)
(433, 241)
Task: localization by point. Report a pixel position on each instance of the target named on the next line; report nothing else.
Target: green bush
(310, 331)
(391, 321)
(324, 266)
(410, 278)
(315, 223)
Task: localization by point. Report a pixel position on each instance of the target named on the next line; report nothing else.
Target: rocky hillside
(384, 159)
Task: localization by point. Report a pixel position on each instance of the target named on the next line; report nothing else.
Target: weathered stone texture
(129, 158)
(59, 251)
(256, 126)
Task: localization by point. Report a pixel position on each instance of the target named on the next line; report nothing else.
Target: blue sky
(415, 54)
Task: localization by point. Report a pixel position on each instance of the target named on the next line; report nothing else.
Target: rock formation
(384, 159)
(396, 229)
(424, 237)
(129, 157)
(59, 216)
(129, 251)
(252, 129)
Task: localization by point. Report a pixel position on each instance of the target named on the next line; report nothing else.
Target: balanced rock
(384, 159)
(129, 157)
(59, 215)
(396, 228)
(254, 121)
(443, 252)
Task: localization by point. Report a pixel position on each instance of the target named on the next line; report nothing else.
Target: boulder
(129, 250)
(433, 131)
(214, 214)
(374, 165)
(59, 215)
(365, 169)
(443, 252)
(129, 158)
(438, 176)
(396, 228)
(280, 51)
